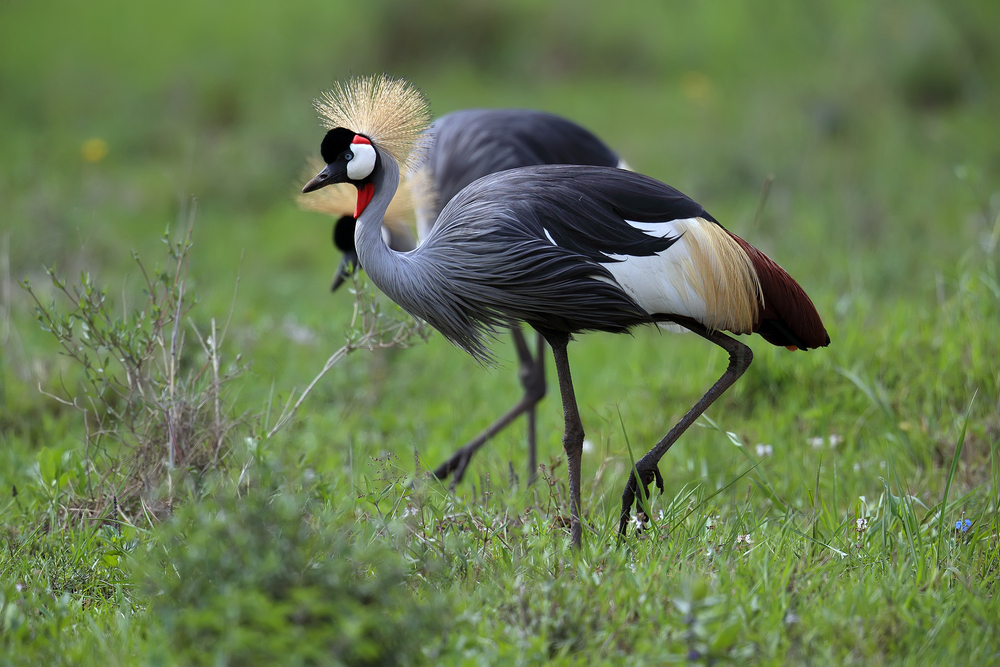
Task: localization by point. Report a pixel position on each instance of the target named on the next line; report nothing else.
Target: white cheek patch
(363, 163)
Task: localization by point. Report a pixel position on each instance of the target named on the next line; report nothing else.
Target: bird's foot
(631, 493)
(455, 466)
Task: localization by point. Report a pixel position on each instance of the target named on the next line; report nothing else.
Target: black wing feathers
(584, 209)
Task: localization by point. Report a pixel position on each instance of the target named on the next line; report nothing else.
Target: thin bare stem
(765, 190)
(372, 338)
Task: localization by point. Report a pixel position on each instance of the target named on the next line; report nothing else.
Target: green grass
(877, 122)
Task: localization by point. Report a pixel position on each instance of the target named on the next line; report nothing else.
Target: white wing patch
(549, 237)
(658, 282)
(704, 275)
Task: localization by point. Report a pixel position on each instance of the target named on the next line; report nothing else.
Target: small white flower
(835, 439)
(744, 539)
(409, 511)
(659, 515)
(861, 523)
(764, 450)
(857, 467)
(881, 464)
(815, 442)
(588, 445)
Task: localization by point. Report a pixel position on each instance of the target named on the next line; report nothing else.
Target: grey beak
(318, 181)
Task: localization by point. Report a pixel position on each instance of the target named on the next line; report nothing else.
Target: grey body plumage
(491, 244)
(473, 275)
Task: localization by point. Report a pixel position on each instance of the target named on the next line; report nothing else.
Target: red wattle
(365, 195)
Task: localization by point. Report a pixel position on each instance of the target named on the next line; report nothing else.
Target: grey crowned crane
(565, 249)
(462, 147)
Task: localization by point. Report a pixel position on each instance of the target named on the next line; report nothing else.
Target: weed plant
(149, 405)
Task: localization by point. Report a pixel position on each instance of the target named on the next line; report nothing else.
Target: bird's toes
(648, 476)
(659, 478)
(459, 472)
(628, 498)
(632, 496)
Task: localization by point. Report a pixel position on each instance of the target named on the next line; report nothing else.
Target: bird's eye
(348, 156)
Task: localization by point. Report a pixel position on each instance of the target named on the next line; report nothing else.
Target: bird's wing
(576, 248)
(632, 220)
(598, 212)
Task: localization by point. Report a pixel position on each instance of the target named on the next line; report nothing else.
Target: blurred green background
(861, 111)
(877, 121)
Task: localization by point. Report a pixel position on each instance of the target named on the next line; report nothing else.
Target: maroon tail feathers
(789, 317)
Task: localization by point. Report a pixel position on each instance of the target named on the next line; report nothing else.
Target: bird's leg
(459, 461)
(740, 357)
(532, 375)
(573, 435)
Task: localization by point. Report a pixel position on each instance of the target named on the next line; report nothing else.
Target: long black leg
(532, 375)
(740, 357)
(573, 435)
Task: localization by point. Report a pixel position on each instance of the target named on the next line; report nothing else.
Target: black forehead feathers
(343, 234)
(334, 143)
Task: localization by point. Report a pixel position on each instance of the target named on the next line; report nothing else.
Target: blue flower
(963, 525)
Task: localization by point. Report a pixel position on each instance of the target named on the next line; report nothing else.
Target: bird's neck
(379, 260)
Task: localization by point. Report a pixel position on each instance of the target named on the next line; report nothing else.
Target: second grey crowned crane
(566, 249)
(462, 147)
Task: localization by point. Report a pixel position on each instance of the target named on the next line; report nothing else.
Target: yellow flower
(696, 87)
(94, 150)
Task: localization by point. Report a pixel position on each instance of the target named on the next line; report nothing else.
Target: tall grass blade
(951, 474)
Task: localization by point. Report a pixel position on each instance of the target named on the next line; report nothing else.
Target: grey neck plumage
(423, 282)
(378, 260)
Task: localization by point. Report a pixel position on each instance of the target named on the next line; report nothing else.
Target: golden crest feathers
(391, 112)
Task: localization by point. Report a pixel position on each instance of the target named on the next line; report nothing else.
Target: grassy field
(835, 507)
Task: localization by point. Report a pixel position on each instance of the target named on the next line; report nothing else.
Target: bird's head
(349, 158)
(385, 117)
